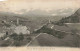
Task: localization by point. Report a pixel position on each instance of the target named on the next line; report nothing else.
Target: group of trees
(73, 19)
(18, 40)
(15, 40)
(53, 32)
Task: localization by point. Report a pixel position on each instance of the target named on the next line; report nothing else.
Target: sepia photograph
(40, 23)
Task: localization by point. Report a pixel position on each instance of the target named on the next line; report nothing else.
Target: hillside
(31, 22)
(49, 40)
(74, 18)
(56, 35)
(57, 31)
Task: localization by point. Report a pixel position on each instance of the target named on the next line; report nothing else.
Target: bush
(20, 37)
(14, 36)
(17, 37)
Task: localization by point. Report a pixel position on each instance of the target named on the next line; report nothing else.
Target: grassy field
(49, 40)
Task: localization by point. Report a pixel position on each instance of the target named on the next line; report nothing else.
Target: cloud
(16, 5)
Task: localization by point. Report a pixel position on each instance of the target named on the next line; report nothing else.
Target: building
(21, 29)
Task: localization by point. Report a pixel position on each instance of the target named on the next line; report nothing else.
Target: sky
(18, 5)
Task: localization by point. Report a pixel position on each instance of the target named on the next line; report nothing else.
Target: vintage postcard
(39, 25)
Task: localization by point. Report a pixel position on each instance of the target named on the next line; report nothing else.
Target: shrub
(14, 36)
